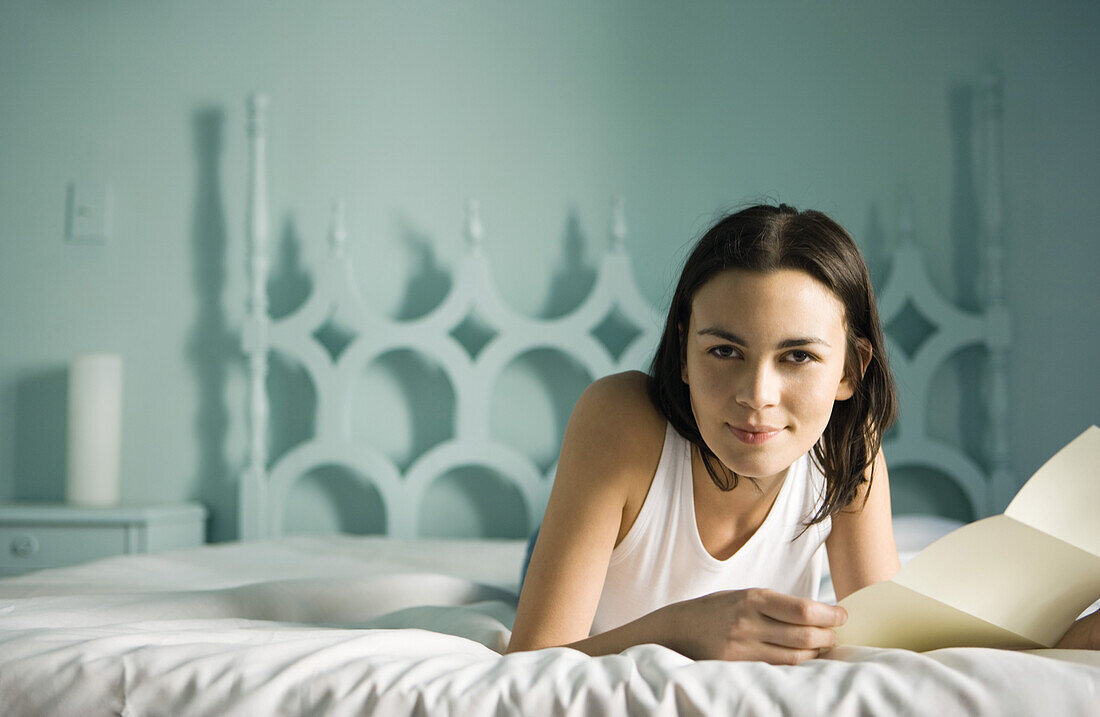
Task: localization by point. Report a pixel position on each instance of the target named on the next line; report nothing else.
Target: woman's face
(764, 362)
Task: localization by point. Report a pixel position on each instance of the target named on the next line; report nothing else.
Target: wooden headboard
(578, 335)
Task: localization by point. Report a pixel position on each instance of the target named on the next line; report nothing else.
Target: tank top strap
(661, 498)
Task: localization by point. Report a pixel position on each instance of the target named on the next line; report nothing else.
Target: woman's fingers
(799, 637)
(781, 655)
(798, 624)
(799, 611)
(760, 624)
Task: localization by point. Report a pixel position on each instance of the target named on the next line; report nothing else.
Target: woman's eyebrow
(784, 344)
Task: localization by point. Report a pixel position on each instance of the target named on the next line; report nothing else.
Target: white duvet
(345, 626)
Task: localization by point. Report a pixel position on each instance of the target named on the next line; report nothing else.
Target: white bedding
(347, 625)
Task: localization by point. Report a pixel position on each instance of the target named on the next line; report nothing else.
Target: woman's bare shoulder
(616, 413)
(624, 396)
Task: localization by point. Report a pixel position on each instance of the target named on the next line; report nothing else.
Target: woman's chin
(761, 470)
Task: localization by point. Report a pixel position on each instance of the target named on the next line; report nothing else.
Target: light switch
(88, 214)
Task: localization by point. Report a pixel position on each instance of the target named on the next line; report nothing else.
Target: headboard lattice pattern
(614, 297)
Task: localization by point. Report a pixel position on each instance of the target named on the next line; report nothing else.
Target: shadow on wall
(877, 248)
(428, 283)
(212, 347)
(332, 495)
(573, 278)
(41, 408)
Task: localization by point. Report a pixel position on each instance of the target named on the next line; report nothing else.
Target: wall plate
(88, 212)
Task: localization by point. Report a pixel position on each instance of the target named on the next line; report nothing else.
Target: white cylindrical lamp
(95, 429)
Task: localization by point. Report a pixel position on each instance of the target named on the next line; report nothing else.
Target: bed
(399, 623)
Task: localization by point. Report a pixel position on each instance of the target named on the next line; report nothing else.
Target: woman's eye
(723, 351)
(801, 357)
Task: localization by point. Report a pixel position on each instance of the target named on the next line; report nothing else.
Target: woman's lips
(755, 437)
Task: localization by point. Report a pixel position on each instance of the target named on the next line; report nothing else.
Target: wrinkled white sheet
(344, 625)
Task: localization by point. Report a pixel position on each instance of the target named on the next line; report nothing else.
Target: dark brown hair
(766, 238)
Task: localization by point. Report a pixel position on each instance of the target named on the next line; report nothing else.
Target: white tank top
(662, 559)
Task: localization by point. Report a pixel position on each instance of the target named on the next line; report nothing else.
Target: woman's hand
(754, 624)
(1083, 634)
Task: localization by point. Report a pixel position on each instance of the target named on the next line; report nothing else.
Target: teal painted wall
(542, 111)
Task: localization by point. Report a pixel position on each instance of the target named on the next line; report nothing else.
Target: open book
(1015, 581)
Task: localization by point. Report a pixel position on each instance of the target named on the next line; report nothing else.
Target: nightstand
(52, 535)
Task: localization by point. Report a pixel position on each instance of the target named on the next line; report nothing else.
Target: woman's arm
(1084, 634)
(861, 545)
(605, 444)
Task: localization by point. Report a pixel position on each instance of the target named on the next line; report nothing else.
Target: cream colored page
(1009, 574)
(1062, 498)
(890, 615)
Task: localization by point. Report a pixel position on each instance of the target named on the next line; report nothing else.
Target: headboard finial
(618, 222)
(338, 236)
(474, 229)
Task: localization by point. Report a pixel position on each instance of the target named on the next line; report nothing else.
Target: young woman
(690, 504)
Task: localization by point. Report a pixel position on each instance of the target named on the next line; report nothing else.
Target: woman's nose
(758, 387)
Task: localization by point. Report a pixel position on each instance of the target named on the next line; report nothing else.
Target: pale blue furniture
(34, 536)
